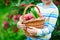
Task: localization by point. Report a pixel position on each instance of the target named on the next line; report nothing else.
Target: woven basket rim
(32, 20)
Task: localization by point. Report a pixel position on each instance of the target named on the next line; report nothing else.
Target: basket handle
(30, 6)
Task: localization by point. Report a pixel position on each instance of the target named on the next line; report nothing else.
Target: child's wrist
(39, 32)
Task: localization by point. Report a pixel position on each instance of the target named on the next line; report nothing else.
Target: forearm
(49, 27)
(44, 31)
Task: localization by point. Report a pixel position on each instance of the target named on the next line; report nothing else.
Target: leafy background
(8, 27)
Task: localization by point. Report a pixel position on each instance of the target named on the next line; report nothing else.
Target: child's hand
(20, 25)
(32, 31)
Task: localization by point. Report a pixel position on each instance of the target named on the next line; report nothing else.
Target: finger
(20, 19)
(31, 34)
(32, 27)
(30, 31)
(18, 24)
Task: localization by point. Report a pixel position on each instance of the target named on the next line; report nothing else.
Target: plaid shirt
(51, 14)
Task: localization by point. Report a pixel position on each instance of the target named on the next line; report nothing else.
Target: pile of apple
(28, 16)
(33, 14)
(11, 22)
(12, 19)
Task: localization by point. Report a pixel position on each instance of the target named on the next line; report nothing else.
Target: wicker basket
(38, 23)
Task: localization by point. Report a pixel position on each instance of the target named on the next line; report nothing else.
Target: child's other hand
(32, 31)
(20, 25)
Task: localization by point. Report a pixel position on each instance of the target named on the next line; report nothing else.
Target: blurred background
(11, 10)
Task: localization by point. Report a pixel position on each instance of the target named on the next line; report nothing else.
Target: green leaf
(35, 14)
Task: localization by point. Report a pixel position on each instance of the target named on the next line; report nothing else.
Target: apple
(5, 23)
(10, 16)
(28, 16)
(18, 16)
(6, 26)
(15, 17)
(23, 5)
(16, 30)
(57, 3)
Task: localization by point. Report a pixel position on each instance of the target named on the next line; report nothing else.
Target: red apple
(26, 18)
(23, 5)
(30, 16)
(10, 16)
(15, 16)
(15, 20)
(18, 16)
(57, 3)
(16, 30)
(5, 23)
(6, 26)
(6, 2)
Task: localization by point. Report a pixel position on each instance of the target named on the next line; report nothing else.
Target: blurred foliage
(14, 7)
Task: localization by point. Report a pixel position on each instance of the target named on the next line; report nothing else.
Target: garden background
(10, 11)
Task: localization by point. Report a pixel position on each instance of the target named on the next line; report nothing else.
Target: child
(50, 12)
